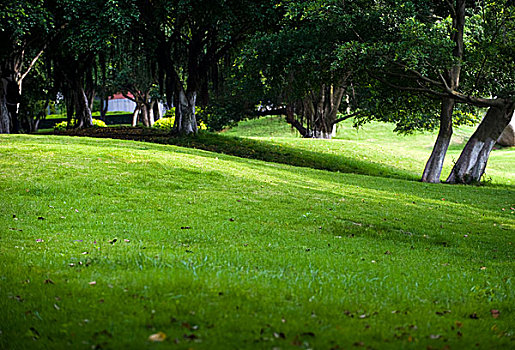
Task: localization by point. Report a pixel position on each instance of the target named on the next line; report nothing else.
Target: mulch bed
(122, 133)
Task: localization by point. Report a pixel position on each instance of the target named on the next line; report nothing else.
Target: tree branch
(345, 117)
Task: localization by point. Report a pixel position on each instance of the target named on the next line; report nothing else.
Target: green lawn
(104, 243)
(378, 147)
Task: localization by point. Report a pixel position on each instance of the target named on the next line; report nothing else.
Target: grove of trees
(423, 65)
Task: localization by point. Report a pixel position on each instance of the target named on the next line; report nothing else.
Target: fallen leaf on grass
(39, 240)
(435, 336)
(495, 313)
(474, 316)
(157, 337)
(185, 227)
(126, 240)
(92, 283)
(49, 281)
(41, 218)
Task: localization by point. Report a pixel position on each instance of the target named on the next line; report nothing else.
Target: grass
(376, 146)
(220, 252)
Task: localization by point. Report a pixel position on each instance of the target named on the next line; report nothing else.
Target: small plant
(64, 125)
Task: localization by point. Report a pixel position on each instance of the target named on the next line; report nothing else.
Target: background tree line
(423, 65)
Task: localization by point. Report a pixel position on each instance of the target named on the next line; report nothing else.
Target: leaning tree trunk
(471, 164)
(135, 115)
(434, 165)
(185, 120)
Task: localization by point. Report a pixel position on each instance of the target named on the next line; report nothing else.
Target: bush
(165, 123)
(63, 125)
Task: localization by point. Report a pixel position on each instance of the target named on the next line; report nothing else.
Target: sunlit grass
(223, 252)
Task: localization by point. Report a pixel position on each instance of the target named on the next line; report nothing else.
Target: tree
(91, 29)
(433, 49)
(26, 28)
(289, 71)
(193, 39)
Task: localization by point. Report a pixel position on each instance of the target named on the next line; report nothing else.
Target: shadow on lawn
(269, 152)
(251, 149)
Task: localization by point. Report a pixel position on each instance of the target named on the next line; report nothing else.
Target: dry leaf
(157, 337)
(92, 283)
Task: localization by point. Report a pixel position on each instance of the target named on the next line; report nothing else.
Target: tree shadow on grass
(283, 154)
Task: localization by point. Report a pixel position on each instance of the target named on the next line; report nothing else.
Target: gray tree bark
(185, 120)
(433, 168)
(434, 165)
(471, 164)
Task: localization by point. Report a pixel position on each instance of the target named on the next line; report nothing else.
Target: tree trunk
(290, 118)
(185, 120)
(150, 109)
(157, 111)
(434, 165)
(318, 112)
(5, 117)
(145, 114)
(104, 103)
(471, 164)
(82, 110)
(10, 90)
(135, 116)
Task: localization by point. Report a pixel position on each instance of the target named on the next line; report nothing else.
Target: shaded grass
(227, 252)
(377, 144)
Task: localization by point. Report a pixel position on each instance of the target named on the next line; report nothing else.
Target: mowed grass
(219, 252)
(375, 149)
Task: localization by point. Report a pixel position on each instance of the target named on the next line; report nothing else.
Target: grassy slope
(379, 147)
(274, 256)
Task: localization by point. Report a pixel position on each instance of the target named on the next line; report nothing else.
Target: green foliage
(165, 123)
(64, 125)
(170, 113)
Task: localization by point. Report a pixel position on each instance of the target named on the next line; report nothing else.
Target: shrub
(63, 125)
(165, 123)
